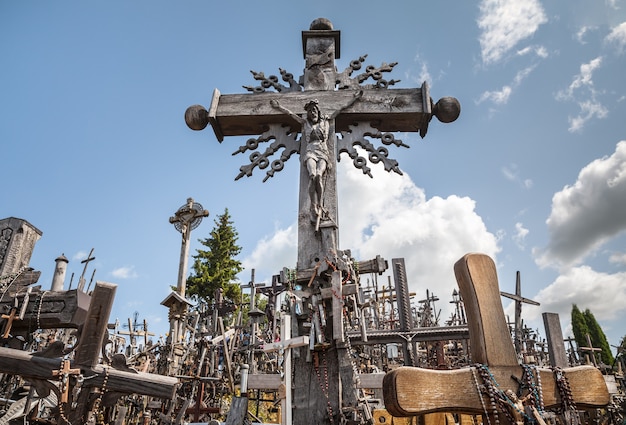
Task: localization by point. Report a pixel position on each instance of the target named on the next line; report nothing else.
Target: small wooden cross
(412, 391)
(64, 373)
(86, 261)
(10, 318)
(517, 297)
(589, 348)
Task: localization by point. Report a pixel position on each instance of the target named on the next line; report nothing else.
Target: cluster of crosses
(305, 117)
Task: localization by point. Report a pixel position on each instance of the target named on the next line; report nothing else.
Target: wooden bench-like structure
(410, 391)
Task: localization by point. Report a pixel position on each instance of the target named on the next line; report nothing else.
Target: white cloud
(520, 235)
(423, 74)
(588, 213)
(498, 97)
(618, 258)
(502, 96)
(617, 36)
(272, 253)
(126, 272)
(580, 35)
(584, 79)
(79, 256)
(391, 217)
(603, 294)
(540, 51)
(504, 23)
(582, 87)
(511, 172)
(588, 109)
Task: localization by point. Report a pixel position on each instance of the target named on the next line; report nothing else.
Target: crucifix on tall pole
(186, 218)
(318, 106)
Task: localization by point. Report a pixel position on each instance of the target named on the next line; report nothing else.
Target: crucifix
(482, 389)
(318, 106)
(187, 218)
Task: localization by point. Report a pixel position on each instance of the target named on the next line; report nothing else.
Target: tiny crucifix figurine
(317, 156)
(64, 375)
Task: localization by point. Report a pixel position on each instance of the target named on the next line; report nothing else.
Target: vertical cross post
(517, 297)
(86, 261)
(556, 344)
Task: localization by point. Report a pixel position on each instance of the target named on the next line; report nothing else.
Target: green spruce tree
(598, 338)
(217, 266)
(579, 326)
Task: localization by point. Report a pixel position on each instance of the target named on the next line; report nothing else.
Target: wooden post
(286, 403)
(337, 302)
(274, 381)
(556, 344)
(231, 383)
(414, 391)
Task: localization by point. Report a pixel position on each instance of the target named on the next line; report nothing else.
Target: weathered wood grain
(21, 363)
(249, 114)
(412, 391)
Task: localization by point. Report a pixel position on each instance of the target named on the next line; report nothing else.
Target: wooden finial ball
(447, 109)
(197, 117)
(321, 24)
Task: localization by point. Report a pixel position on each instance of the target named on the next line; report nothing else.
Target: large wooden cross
(413, 391)
(376, 114)
(318, 106)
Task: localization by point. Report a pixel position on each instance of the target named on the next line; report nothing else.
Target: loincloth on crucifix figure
(315, 150)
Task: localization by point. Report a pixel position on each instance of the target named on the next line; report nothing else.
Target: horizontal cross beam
(249, 114)
(422, 334)
(17, 362)
(411, 391)
(50, 309)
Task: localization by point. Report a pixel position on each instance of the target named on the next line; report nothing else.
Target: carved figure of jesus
(517, 408)
(317, 157)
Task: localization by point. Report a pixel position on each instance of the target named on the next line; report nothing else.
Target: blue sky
(96, 153)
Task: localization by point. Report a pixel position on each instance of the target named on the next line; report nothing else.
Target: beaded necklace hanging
(324, 385)
(568, 406)
(498, 398)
